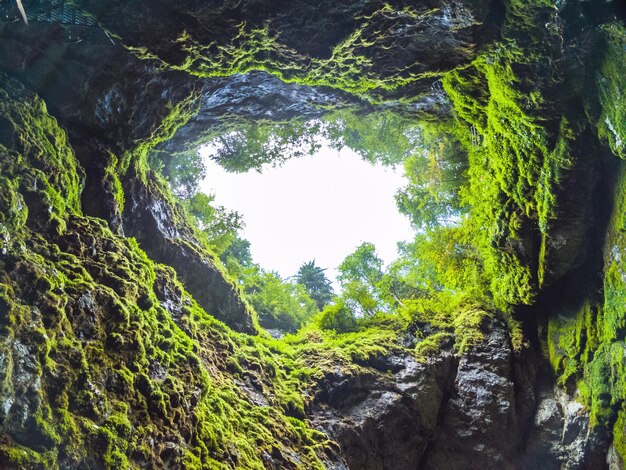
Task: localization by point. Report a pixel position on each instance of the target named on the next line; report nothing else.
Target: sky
(318, 207)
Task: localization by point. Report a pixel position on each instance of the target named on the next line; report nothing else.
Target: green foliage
(279, 304)
(253, 145)
(380, 136)
(611, 84)
(337, 317)
(572, 339)
(219, 224)
(362, 265)
(237, 258)
(360, 274)
(182, 170)
(619, 433)
(315, 283)
(446, 259)
(435, 172)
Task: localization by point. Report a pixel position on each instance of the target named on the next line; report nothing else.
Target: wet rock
(561, 436)
(383, 420)
(253, 96)
(158, 228)
(613, 460)
(567, 247)
(478, 424)
(21, 397)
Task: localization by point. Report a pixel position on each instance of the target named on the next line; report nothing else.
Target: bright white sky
(320, 207)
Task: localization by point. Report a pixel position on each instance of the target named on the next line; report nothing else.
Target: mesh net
(46, 11)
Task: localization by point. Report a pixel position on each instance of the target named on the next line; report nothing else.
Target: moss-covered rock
(117, 341)
(107, 361)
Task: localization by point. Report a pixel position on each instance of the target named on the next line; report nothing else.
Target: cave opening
(318, 207)
(325, 209)
(140, 329)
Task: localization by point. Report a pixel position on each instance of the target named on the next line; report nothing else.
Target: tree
(404, 278)
(316, 283)
(255, 144)
(337, 317)
(220, 225)
(378, 137)
(362, 265)
(279, 304)
(237, 258)
(183, 171)
(436, 172)
(360, 276)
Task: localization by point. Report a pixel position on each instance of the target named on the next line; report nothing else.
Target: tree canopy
(316, 284)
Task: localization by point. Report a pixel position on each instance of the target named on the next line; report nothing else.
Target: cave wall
(106, 360)
(124, 344)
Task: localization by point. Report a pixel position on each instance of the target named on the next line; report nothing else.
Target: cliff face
(122, 342)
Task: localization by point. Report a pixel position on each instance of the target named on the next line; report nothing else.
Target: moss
(108, 354)
(357, 64)
(586, 346)
(605, 378)
(517, 154)
(611, 86)
(468, 327)
(112, 181)
(619, 434)
(127, 359)
(432, 345)
(572, 340)
(174, 116)
(14, 456)
(34, 135)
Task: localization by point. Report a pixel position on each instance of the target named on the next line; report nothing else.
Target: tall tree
(279, 303)
(219, 224)
(435, 173)
(183, 170)
(360, 275)
(316, 283)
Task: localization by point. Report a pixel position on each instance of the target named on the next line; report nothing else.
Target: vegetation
(357, 63)
(587, 343)
(217, 223)
(109, 368)
(315, 283)
(116, 356)
(612, 89)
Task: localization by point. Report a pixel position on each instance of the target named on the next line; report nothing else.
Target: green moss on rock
(587, 347)
(611, 84)
(108, 359)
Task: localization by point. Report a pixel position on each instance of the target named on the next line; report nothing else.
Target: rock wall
(123, 344)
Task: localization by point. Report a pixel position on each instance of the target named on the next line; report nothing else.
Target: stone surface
(152, 221)
(479, 425)
(561, 436)
(384, 420)
(440, 414)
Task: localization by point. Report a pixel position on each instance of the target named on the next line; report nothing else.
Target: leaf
(20, 7)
